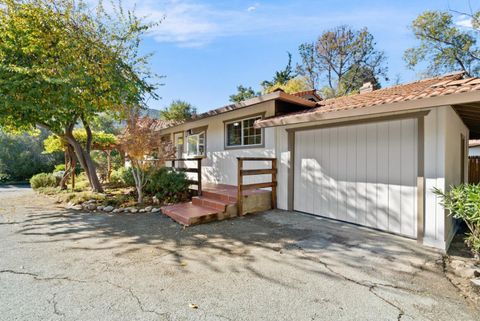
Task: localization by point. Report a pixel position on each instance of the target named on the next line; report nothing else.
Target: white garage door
(364, 174)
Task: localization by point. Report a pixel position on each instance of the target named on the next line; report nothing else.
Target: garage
(359, 173)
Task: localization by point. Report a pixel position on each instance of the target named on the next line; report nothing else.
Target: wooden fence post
(199, 176)
(239, 187)
(274, 181)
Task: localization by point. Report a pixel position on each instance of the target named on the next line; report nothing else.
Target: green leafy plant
(43, 180)
(59, 168)
(463, 202)
(168, 186)
(122, 176)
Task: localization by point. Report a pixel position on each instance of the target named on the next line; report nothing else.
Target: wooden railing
(197, 169)
(249, 172)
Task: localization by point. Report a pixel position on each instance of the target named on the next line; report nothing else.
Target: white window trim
(241, 120)
(198, 144)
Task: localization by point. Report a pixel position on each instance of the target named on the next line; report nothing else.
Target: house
(371, 159)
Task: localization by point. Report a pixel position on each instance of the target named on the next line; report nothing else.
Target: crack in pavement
(137, 299)
(37, 277)
(370, 285)
(54, 302)
(41, 278)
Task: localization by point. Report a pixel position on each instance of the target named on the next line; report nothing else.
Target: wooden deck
(218, 202)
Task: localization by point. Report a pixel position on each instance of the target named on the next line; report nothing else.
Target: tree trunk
(138, 177)
(69, 167)
(85, 161)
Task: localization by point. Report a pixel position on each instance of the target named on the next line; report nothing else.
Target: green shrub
(122, 176)
(59, 168)
(4, 177)
(463, 202)
(43, 180)
(168, 186)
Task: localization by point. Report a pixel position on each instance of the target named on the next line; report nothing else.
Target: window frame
(241, 121)
(197, 154)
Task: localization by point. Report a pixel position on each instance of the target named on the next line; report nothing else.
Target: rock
(457, 264)
(91, 207)
(148, 209)
(155, 200)
(476, 283)
(91, 201)
(155, 210)
(133, 210)
(118, 210)
(142, 210)
(476, 273)
(100, 207)
(465, 272)
(77, 207)
(108, 208)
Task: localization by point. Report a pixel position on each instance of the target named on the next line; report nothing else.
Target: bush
(463, 202)
(43, 180)
(59, 168)
(168, 186)
(4, 177)
(122, 176)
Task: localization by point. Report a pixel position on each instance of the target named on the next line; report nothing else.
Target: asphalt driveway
(63, 265)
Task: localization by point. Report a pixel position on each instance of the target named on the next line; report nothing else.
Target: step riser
(220, 197)
(207, 203)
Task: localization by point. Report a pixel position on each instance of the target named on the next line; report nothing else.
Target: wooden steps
(217, 202)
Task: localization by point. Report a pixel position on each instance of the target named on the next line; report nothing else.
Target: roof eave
(445, 100)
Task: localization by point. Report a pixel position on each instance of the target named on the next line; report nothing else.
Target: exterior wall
(474, 151)
(220, 164)
(443, 130)
(455, 129)
(442, 134)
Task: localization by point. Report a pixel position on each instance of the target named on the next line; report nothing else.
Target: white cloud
(253, 7)
(464, 21)
(190, 23)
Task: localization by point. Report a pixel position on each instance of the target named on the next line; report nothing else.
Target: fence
(474, 169)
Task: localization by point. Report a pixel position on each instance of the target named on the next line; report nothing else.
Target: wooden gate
(474, 169)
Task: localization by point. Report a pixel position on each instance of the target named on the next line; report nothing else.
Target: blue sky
(206, 48)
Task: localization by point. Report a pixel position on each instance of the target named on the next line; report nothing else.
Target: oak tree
(62, 63)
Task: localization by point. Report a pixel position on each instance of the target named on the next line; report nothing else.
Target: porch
(215, 202)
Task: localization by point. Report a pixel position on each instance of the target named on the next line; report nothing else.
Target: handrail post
(239, 187)
(274, 181)
(199, 176)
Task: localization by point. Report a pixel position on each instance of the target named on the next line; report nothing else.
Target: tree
(294, 85)
(139, 141)
(178, 110)
(243, 93)
(344, 58)
(444, 45)
(100, 141)
(61, 65)
(281, 77)
(21, 156)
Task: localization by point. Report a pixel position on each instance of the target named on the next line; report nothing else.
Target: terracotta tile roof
(431, 87)
(307, 93)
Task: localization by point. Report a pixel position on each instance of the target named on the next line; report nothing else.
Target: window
(242, 133)
(196, 144)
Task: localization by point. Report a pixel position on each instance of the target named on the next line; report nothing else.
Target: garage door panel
(409, 181)
(351, 173)
(365, 174)
(371, 175)
(382, 176)
(361, 174)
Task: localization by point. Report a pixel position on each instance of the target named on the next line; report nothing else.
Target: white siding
(220, 164)
(365, 174)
